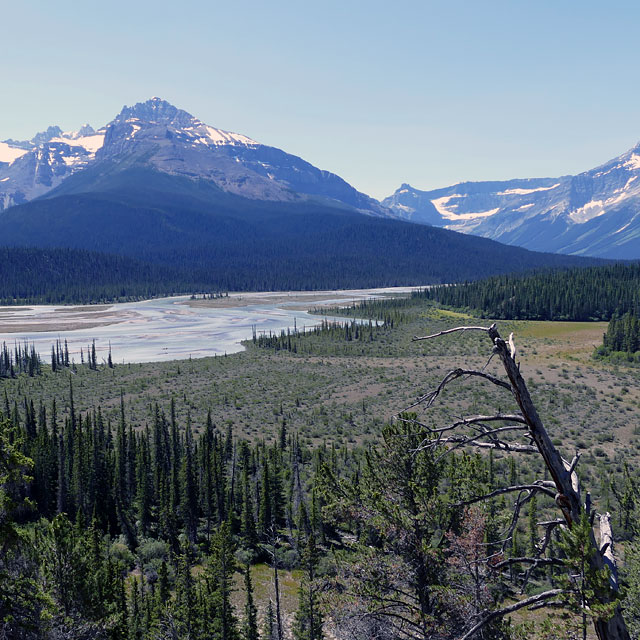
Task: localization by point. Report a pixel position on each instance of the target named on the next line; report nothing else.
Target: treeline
(295, 341)
(622, 335)
(168, 244)
(60, 357)
(386, 310)
(23, 358)
(590, 293)
(60, 276)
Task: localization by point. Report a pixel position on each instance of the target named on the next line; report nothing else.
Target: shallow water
(163, 329)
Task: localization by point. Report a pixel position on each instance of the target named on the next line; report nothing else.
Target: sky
(381, 93)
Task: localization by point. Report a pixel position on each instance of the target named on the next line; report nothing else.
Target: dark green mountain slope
(48, 276)
(231, 242)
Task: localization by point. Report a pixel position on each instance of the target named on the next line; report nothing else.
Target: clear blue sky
(381, 93)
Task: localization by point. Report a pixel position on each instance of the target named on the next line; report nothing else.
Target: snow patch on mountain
(590, 210)
(596, 212)
(446, 209)
(633, 162)
(218, 136)
(9, 153)
(90, 143)
(157, 135)
(522, 192)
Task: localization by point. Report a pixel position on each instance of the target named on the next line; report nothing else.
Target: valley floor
(335, 391)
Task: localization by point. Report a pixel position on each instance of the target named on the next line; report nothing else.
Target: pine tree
(189, 494)
(250, 624)
(270, 632)
(218, 579)
(308, 620)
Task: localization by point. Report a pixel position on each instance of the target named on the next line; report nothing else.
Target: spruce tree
(250, 624)
(308, 619)
(218, 579)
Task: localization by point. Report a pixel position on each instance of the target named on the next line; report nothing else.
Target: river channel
(170, 328)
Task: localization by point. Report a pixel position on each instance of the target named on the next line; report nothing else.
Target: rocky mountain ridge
(594, 213)
(155, 134)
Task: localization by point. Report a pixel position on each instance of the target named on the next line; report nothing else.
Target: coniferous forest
(592, 293)
(258, 507)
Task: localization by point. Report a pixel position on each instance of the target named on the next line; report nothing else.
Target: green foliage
(395, 507)
(23, 603)
(623, 335)
(22, 359)
(187, 233)
(590, 293)
(305, 341)
(169, 499)
(309, 620)
(50, 276)
(632, 592)
(250, 623)
(218, 618)
(588, 592)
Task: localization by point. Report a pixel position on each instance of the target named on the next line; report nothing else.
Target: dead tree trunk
(562, 472)
(564, 477)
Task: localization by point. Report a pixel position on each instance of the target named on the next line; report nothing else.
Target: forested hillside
(593, 293)
(48, 276)
(195, 235)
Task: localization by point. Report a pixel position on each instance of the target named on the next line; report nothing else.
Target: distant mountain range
(595, 213)
(159, 186)
(162, 137)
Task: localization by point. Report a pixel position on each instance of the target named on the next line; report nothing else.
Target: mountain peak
(85, 130)
(155, 110)
(45, 136)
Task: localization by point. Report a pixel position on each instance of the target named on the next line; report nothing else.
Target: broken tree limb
(442, 333)
(564, 477)
(430, 397)
(499, 492)
(606, 546)
(521, 604)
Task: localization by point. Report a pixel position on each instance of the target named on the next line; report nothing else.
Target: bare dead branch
(430, 397)
(496, 443)
(548, 604)
(470, 420)
(507, 446)
(548, 530)
(574, 463)
(521, 604)
(499, 492)
(565, 480)
(512, 347)
(523, 497)
(527, 560)
(442, 333)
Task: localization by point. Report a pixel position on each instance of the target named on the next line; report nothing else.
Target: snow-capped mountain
(159, 136)
(31, 168)
(595, 213)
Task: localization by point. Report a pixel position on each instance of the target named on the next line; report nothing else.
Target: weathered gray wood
(606, 546)
(564, 477)
(521, 604)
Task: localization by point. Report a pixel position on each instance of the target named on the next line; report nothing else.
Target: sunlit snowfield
(169, 328)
